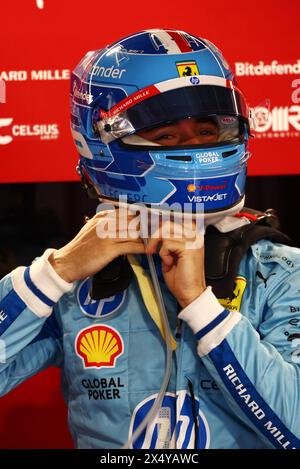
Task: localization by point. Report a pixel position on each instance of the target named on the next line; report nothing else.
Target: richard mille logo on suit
(3, 316)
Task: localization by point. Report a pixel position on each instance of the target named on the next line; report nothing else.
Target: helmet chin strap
(219, 218)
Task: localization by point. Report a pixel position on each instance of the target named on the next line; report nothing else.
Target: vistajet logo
(207, 198)
(243, 69)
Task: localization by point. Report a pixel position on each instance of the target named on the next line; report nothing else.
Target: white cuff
(200, 313)
(45, 280)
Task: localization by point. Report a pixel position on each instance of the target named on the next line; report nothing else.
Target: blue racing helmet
(145, 81)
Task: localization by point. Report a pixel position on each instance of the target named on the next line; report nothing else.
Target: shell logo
(99, 346)
(191, 188)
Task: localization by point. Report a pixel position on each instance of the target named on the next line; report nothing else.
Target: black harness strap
(113, 279)
(224, 251)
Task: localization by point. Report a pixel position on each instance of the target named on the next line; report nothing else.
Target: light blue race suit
(236, 377)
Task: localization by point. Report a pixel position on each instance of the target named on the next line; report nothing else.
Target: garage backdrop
(42, 40)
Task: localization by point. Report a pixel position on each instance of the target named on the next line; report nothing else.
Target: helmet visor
(200, 102)
(206, 131)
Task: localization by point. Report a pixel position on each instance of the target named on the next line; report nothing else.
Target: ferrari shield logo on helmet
(187, 68)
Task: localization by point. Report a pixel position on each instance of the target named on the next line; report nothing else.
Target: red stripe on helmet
(229, 84)
(181, 41)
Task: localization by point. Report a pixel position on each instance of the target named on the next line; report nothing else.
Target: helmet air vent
(225, 154)
(179, 157)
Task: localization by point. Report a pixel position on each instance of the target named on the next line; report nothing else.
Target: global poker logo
(170, 430)
(98, 308)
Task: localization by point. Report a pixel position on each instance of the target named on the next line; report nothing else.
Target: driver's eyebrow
(161, 128)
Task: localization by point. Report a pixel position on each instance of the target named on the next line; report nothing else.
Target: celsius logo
(82, 95)
(174, 425)
(97, 308)
(279, 119)
(43, 131)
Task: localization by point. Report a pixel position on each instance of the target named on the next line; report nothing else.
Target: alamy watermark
(167, 221)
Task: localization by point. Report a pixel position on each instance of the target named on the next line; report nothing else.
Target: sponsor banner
(34, 75)
(276, 139)
(13, 131)
(277, 122)
(35, 65)
(35, 71)
(261, 68)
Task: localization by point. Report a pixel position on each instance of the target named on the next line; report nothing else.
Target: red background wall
(52, 36)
